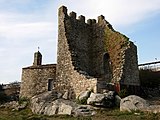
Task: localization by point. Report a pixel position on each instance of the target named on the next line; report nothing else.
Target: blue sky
(27, 24)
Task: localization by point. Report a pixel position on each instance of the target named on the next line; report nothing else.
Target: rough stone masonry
(91, 56)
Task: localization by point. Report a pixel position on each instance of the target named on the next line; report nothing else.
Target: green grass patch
(102, 114)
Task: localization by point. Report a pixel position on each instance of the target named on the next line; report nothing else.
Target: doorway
(107, 67)
(50, 84)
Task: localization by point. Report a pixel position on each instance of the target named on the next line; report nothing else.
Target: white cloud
(26, 30)
(20, 36)
(16, 1)
(23, 26)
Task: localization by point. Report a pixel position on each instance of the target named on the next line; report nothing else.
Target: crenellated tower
(92, 54)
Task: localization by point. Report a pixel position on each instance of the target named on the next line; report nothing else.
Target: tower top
(37, 58)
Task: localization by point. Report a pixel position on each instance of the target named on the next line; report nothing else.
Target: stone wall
(92, 53)
(72, 57)
(35, 79)
(123, 56)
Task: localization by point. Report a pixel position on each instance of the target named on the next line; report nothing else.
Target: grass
(107, 114)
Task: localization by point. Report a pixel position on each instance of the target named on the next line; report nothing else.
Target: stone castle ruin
(91, 56)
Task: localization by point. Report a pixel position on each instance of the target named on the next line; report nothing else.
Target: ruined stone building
(37, 78)
(91, 55)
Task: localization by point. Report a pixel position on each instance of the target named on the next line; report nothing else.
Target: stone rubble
(49, 104)
(14, 105)
(52, 105)
(84, 95)
(103, 100)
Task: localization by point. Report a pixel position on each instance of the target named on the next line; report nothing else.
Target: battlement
(101, 18)
(91, 21)
(81, 18)
(63, 9)
(73, 15)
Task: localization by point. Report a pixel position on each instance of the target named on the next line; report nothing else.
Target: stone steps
(84, 110)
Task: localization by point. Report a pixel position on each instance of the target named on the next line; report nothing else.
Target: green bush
(23, 99)
(123, 93)
(83, 102)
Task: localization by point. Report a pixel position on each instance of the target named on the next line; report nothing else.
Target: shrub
(23, 99)
(123, 93)
(83, 101)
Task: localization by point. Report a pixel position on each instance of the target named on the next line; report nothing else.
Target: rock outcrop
(51, 103)
(133, 103)
(84, 96)
(59, 106)
(102, 100)
(15, 105)
(95, 99)
(48, 103)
